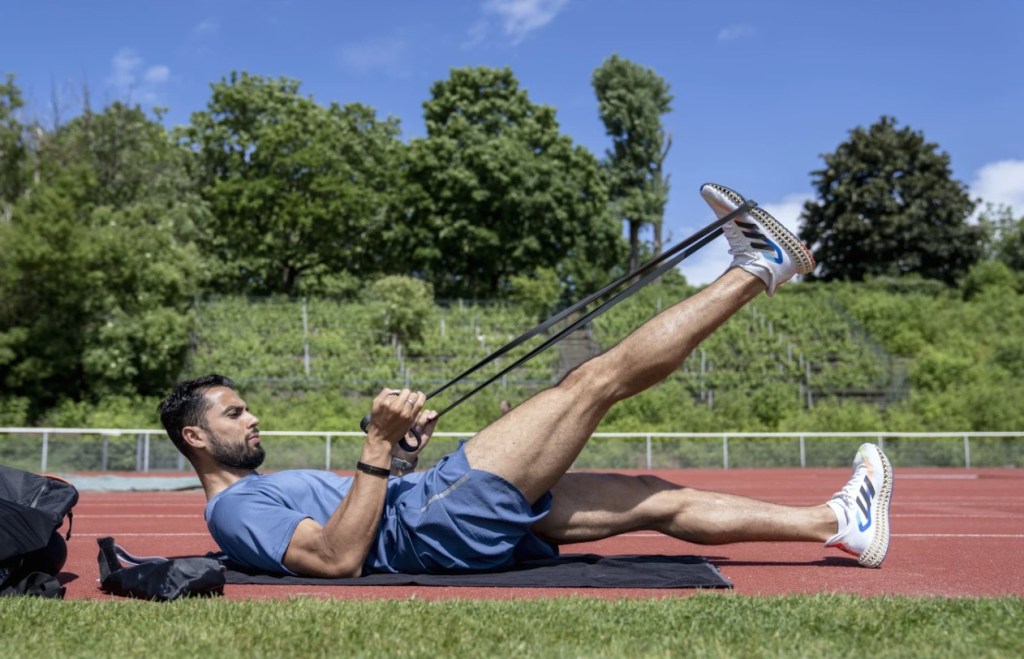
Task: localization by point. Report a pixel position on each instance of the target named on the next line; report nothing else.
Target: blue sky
(761, 88)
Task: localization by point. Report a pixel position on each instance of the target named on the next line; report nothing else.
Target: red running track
(954, 533)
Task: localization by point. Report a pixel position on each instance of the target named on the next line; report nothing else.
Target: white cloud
(709, 263)
(157, 74)
(386, 55)
(1000, 183)
(789, 209)
(202, 36)
(476, 34)
(125, 67)
(206, 27)
(131, 82)
(518, 18)
(738, 31)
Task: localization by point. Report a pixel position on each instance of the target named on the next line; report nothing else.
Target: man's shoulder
(256, 481)
(305, 476)
(273, 484)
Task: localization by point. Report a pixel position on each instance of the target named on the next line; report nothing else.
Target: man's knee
(593, 377)
(654, 485)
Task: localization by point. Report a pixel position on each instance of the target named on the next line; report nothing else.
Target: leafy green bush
(403, 304)
(536, 293)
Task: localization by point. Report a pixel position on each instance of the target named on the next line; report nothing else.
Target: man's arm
(339, 548)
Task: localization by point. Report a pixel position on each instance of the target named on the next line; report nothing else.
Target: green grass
(716, 625)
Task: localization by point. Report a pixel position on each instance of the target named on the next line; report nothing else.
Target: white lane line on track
(1007, 516)
(899, 476)
(646, 534)
(144, 535)
(88, 516)
(138, 504)
(957, 535)
(939, 500)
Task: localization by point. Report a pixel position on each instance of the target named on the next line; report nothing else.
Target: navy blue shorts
(453, 518)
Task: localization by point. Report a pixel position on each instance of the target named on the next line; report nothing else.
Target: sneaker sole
(879, 547)
(802, 257)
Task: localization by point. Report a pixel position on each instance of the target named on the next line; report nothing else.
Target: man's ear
(194, 437)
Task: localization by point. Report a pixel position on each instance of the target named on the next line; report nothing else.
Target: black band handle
(364, 425)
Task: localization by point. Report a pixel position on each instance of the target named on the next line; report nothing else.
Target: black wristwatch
(398, 464)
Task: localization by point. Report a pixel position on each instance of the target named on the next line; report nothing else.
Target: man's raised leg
(535, 444)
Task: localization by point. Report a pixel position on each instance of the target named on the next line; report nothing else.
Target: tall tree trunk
(634, 245)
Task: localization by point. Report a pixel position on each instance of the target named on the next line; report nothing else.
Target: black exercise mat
(569, 571)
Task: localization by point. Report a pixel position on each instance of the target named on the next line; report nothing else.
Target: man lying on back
(506, 495)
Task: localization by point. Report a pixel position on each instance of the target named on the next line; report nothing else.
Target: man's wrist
(377, 453)
(372, 470)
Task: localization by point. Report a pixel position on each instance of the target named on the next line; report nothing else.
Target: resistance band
(646, 273)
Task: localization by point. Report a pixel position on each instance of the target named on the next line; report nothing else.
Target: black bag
(32, 551)
(157, 578)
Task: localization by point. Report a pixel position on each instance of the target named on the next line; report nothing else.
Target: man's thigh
(535, 444)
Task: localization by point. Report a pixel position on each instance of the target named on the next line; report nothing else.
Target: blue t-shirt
(450, 518)
(254, 519)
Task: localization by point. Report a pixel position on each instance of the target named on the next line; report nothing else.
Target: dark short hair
(186, 405)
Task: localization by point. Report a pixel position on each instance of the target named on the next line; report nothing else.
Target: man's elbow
(334, 572)
(323, 567)
(344, 570)
(324, 561)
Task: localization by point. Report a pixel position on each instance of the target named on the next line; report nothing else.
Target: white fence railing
(143, 441)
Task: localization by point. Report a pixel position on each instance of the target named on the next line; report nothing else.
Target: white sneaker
(758, 242)
(862, 508)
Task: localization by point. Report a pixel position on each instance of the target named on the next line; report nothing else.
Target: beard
(238, 456)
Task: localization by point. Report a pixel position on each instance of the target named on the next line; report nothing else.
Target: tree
(13, 150)
(497, 191)
(632, 100)
(887, 205)
(97, 266)
(1005, 236)
(297, 189)
(401, 305)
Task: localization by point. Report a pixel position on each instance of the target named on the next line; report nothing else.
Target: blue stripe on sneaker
(778, 251)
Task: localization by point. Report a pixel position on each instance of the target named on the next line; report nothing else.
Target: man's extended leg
(590, 506)
(535, 444)
(856, 519)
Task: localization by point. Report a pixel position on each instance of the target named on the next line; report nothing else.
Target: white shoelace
(848, 495)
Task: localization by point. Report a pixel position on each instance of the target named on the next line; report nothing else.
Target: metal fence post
(881, 442)
(327, 453)
(305, 337)
(967, 451)
(803, 452)
(105, 453)
(648, 451)
(46, 452)
(145, 454)
(725, 451)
